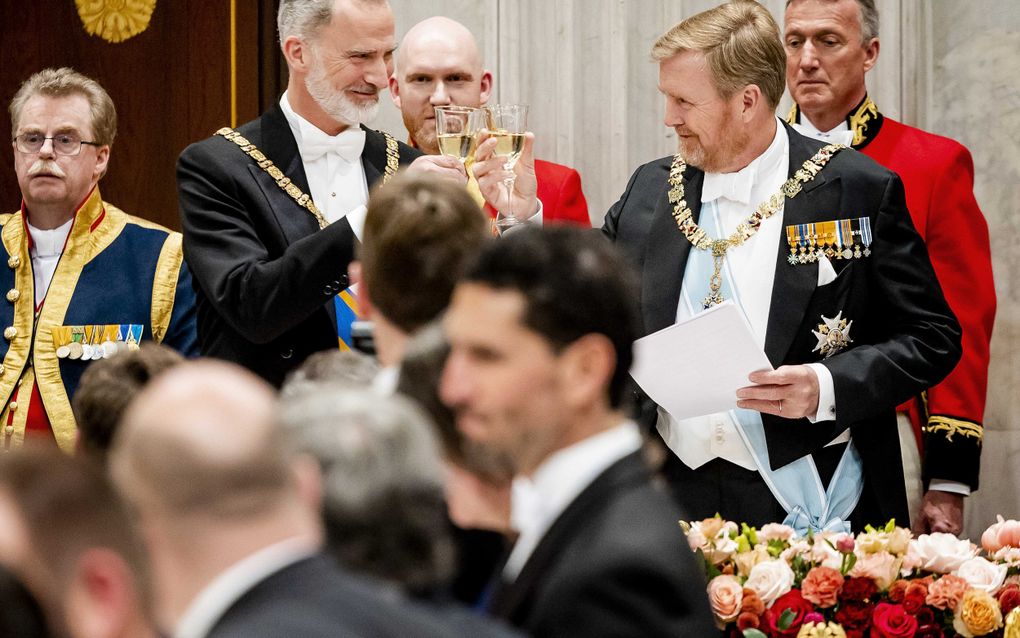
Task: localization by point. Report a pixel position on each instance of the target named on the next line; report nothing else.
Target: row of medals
(89, 352)
(811, 253)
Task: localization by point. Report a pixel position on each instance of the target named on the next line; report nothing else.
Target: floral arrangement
(883, 583)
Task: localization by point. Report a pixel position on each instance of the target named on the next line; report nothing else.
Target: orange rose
(947, 592)
(978, 614)
(725, 594)
(821, 586)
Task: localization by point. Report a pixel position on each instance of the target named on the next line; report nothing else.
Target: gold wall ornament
(115, 20)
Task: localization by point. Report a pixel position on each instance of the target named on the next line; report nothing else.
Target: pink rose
(776, 531)
(725, 595)
(881, 567)
(1001, 534)
(946, 592)
(821, 586)
(770, 580)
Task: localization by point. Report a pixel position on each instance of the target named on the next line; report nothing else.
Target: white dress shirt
(537, 501)
(752, 267)
(47, 246)
(338, 185)
(215, 599)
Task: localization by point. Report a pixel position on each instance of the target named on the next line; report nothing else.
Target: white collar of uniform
(841, 134)
(737, 186)
(49, 243)
(215, 599)
(537, 501)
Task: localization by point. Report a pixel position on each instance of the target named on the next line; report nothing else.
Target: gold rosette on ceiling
(115, 20)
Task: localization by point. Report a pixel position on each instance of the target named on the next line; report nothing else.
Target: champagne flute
(508, 124)
(456, 128)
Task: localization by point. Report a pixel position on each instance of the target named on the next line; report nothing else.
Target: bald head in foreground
(230, 514)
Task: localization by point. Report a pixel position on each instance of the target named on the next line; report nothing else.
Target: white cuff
(356, 218)
(941, 485)
(826, 395)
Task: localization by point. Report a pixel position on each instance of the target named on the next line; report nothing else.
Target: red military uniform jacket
(938, 176)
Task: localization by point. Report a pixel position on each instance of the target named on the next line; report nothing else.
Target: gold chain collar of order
(746, 229)
(286, 185)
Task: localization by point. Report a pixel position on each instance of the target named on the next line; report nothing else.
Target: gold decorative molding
(115, 20)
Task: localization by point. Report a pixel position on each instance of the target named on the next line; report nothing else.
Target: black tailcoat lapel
(666, 256)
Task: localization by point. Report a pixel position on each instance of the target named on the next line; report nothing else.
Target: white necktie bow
(348, 144)
(735, 187)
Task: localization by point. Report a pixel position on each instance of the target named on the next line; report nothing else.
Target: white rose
(982, 574)
(881, 567)
(696, 539)
(824, 554)
(770, 580)
(940, 552)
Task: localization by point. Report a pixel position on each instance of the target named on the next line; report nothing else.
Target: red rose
(892, 621)
(1009, 598)
(925, 616)
(897, 589)
(913, 602)
(854, 614)
(858, 589)
(793, 601)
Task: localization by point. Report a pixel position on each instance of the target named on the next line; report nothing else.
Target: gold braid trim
(392, 157)
(954, 426)
(860, 119)
(303, 199)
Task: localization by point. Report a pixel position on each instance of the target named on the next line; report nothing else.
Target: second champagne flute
(508, 123)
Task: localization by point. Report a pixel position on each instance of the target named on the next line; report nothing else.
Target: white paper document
(695, 367)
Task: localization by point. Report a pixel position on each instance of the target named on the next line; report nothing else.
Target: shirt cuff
(954, 487)
(826, 395)
(536, 219)
(356, 218)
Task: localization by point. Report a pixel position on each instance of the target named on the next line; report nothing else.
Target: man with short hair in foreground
(231, 516)
(830, 47)
(67, 534)
(540, 331)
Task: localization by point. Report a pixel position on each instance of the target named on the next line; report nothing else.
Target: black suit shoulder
(615, 564)
(316, 599)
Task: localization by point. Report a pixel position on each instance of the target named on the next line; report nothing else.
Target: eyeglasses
(63, 143)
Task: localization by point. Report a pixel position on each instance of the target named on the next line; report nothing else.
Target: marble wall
(975, 98)
(951, 68)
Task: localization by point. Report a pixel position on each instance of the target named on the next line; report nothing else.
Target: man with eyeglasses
(83, 280)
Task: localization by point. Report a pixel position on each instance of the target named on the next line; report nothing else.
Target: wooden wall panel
(171, 84)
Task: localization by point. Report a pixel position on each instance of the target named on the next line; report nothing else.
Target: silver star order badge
(833, 335)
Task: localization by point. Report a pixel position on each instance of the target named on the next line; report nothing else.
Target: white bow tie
(348, 144)
(845, 137)
(735, 187)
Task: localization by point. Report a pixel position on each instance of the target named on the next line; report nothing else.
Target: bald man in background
(231, 517)
(439, 64)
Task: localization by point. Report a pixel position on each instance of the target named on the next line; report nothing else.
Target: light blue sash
(796, 486)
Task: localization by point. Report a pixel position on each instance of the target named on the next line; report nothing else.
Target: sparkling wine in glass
(508, 124)
(456, 130)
